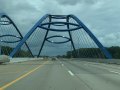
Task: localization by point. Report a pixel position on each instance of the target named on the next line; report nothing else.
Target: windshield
(59, 45)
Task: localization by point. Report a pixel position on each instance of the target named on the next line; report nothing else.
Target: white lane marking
(115, 72)
(105, 69)
(70, 73)
(62, 64)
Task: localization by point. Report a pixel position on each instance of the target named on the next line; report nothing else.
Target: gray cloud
(112, 39)
(74, 2)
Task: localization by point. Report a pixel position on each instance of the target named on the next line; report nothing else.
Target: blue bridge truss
(52, 26)
(10, 34)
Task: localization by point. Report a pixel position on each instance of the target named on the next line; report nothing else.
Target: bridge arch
(52, 25)
(10, 35)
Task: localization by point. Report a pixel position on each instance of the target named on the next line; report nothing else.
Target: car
(53, 58)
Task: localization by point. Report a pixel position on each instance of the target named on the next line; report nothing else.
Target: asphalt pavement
(60, 74)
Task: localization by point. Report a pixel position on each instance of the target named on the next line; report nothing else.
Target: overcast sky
(102, 17)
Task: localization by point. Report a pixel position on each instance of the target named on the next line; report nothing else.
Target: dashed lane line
(115, 72)
(62, 64)
(70, 73)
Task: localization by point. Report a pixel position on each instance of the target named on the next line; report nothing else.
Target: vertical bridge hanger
(51, 23)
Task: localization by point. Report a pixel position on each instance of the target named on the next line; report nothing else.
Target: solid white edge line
(70, 73)
(115, 72)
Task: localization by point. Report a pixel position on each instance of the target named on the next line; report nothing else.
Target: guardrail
(111, 61)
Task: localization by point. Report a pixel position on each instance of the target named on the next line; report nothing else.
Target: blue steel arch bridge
(51, 35)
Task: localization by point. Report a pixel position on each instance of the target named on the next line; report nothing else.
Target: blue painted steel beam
(60, 30)
(58, 16)
(41, 25)
(5, 15)
(6, 23)
(67, 39)
(45, 37)
(65, 23)
(7, 35)
(28, 35)
(57, 36)
(107, 54)
(43, 43)
(72, 43)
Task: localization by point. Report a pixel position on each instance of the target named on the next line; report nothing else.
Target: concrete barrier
(12, 60)
(107, 61)
(4, 59)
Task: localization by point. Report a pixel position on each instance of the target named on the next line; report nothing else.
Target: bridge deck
(59, 75)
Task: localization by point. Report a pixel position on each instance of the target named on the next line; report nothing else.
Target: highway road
(62, 74)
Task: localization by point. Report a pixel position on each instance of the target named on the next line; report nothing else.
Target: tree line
(93, 53)
(5, 50)
(80, 53)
